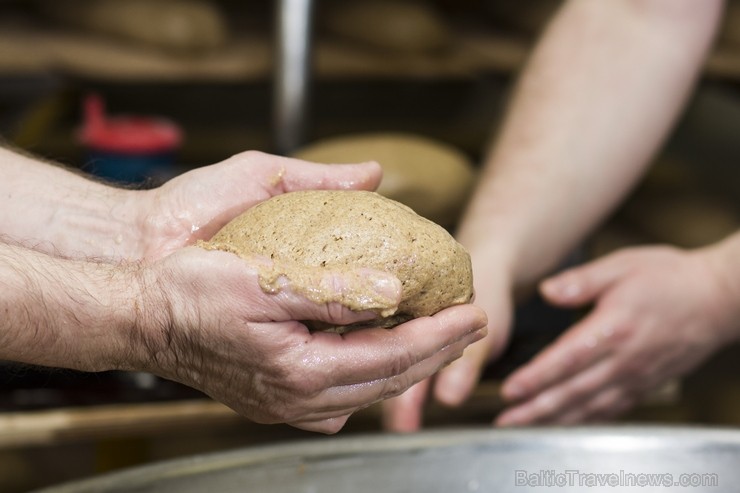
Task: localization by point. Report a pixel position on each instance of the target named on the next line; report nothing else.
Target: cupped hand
(206, 322)
(658, 312)
(454, 384)
(197, 204)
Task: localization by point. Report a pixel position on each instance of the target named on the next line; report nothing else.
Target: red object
(126, 134)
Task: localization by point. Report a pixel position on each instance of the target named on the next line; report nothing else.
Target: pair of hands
(657, 313)
(205, 322)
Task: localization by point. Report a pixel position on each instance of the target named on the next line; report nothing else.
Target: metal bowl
(487, 460)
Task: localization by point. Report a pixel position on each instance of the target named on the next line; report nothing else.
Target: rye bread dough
(431, 177)
(342, 230)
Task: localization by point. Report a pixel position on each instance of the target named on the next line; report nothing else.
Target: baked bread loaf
(347, 230)
(433, 178)
(180, 26)
(396, 26)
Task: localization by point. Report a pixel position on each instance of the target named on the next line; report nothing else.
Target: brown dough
(431, 177)
(182, 26)
(392, 25)
(341, 230)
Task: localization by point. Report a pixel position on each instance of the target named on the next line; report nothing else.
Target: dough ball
(347, 230)
(431, 177)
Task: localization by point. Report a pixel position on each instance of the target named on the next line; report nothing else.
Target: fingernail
(386, 290)
(562, 288)
(386, 285)
(479, 334)
(506, 420)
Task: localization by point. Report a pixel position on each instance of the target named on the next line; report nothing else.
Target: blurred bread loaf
(401, 26)
(431, 177)
(179, 26)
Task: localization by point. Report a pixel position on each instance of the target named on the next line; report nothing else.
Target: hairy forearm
(57, 211)
(595, 102)
(65, 313)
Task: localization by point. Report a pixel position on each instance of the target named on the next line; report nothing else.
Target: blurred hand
(205, 322)
(454, 384)
(658, 312)
(197, 204)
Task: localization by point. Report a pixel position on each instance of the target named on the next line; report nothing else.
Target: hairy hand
(197, 204)
(208, 324)
(658, 312)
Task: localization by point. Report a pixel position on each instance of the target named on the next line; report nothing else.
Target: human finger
(328, 426)
(455, 383)
(339, 400)
(344, 400)
(205, 199)
(580, 285)
(561, 398)
(373, 354)
(335, 297)
(404, 413)
(605, 405)
(304, 175)
(290, 175)
(578, 348)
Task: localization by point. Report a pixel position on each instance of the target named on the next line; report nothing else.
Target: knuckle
(621, 332)
(303, 384)
(394, 386)
(632, 368)
(334, 313)
(250, 156)
(547, 404)
(309, 386)
(403, 360)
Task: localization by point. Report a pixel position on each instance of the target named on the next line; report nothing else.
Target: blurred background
(139, 91)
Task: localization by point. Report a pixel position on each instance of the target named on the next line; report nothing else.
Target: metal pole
(292, 72)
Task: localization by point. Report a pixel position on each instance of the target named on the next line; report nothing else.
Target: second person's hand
(658, 313)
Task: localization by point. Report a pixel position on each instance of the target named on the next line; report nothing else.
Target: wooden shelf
(75, 424)
(58, 426)
(249, 59)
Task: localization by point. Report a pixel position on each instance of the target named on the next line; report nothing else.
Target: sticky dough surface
(305, 233)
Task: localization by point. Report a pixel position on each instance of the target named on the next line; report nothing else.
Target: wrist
(494, 255)
(150, 336)
(102, 222)
(61, 212)
(721, 262)
(64, 313)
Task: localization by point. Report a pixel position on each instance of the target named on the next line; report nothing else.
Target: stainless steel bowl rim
(615, 439)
